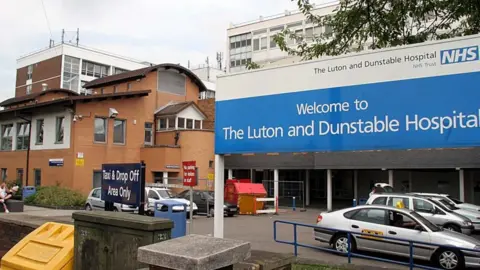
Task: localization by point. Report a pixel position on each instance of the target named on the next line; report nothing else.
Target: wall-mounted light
(112, 113)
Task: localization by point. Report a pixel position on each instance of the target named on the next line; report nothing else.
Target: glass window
(119, 131)
(309, 34)
(96, 193)
(29, 72)
(148, 133)
(256, 44)
(198, 124)
(273, 44)
(39, 131)
(263, 43)
(423, 206)
(4, 174)
(181, 122)
(162, 123)
(171, 82)
(425, 222)
(71, 70)
(23, 131)
(189, 123)
(171, 122)
(455, 200)
(37, 176)
(400, 220)
(380, 201)
(59, 129)
(328, 31)
(153, 195)
(20, 175)
(396, 201)
(100, 133)
(29, 89)
(376, 216)
(7, 137)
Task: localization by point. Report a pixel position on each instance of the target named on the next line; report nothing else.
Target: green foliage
(56, 196)
(381, 24)
(252, 65)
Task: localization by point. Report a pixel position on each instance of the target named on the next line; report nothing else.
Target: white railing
(266, 211)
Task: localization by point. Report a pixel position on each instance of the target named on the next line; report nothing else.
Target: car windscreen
(425, 222)
(455, 200)
(164, 193)
(448, 204)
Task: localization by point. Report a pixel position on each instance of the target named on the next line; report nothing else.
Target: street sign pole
(191, 211)
(141, 206)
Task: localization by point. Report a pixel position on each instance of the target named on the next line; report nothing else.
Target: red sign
(189, 178)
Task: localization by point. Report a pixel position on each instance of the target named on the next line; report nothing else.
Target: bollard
(354, 202)
(293, 203)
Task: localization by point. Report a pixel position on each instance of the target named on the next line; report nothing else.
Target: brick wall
(208, 107)
(11, 234)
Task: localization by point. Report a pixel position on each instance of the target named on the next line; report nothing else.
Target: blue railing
(351, 254)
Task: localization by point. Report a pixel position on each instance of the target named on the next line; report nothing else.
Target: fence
(411, 264)
(176, 184)
(290, 193)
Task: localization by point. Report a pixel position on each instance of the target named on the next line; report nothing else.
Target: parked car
(455, 201)
(381, 188)
(154, 194)
(202, 198)
(426, 207)
(95, 202)
(379, 220)
(474, 216)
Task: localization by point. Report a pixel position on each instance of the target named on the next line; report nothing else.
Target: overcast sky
(151, 30)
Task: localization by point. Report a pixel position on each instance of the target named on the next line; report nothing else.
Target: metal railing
(411, 264)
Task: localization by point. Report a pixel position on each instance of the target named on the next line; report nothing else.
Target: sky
(151, 30)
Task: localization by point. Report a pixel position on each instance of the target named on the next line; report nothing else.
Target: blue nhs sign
(459, 55)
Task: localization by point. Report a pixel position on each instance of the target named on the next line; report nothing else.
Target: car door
(428, 211)
(370, 221)
(403, 226)
(399, 202)
(152, 197)
(199, 200)
(97, 203)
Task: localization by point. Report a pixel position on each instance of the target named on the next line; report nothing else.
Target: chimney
(44, 86)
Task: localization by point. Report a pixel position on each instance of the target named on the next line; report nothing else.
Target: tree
(381, 24)
(252, 65)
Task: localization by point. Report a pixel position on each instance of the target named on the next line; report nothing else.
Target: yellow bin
(48, 247)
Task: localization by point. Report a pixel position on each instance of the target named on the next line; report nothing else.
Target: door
(403, 226)
(373, 222)
(428, 211)
(97, 203)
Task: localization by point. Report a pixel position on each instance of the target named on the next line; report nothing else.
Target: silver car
(455, 201)
(473, 215)
(426, 207)
(377, 220)
(95, 202)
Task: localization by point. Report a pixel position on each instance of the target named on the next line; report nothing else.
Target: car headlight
(224, 206)
(467, 223)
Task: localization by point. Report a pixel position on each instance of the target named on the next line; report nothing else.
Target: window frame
(4, 174)
(30, 72)
(35, 170)
(184, 124)
(159, 123)
(124, 131)
(3, 138)
(150, 130)
(18, 174)
(57, 130)
(28, 89)
(371, 209)
(424, 201)
(105, 122)
(24, 139)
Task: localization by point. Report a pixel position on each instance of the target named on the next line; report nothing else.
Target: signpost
(123, 183)
(190, 180)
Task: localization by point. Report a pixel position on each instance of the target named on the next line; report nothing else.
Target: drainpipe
(29, 121)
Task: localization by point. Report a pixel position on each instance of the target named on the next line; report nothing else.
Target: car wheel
(449, 259)
(453, 228)
(211, 212)
(340, 243)
(88, 207)
(115, 209)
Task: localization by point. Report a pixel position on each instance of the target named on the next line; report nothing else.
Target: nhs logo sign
(459, 55)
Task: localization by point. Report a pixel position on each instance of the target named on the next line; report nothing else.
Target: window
(171, 122)
(59, 129)
(71, 70)
(29, 72)
(94, 69)
(273, 44)
(29, 89)
(171, 82)
(256, 44)
(129, 86)
(263, 43)
(210, 163)
(328, 31)
(115, 89)
(4, 174)
(96, 193)
(148, 133)
(198, 124)
(395, 201)
(97, 179)
(181, 122)
(350, 214)
(376, 216)
(309, 34)
(119, 131)
(162, 124)
(20, 175)
(37, 176)
(380, 201)
(153, 195)
(400, 220)
(189, 123)
(120, 70)
(100, 133)
(422, 206)
(23, 132)
(7, 137)
(39, 131)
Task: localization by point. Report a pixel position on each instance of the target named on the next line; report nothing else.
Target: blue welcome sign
(121, 183)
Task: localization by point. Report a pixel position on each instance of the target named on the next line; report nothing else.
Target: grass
(315, 267)
(56, 196)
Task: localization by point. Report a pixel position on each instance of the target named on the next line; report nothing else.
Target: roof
(175, 108)
(250, 188)
(141, 73)
(33, 96)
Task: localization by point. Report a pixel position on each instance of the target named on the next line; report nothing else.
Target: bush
(56, 196)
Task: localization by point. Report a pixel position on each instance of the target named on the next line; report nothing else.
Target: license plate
(233, 209)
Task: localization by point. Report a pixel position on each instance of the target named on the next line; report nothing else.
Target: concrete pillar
(329, 190)
(462, 184)
(390, 177)
(165, 178)
(275, 183)
(307, 187)
(230, 174)
(355, 185)
(219, 200)
(410, 182)
(252, 175)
